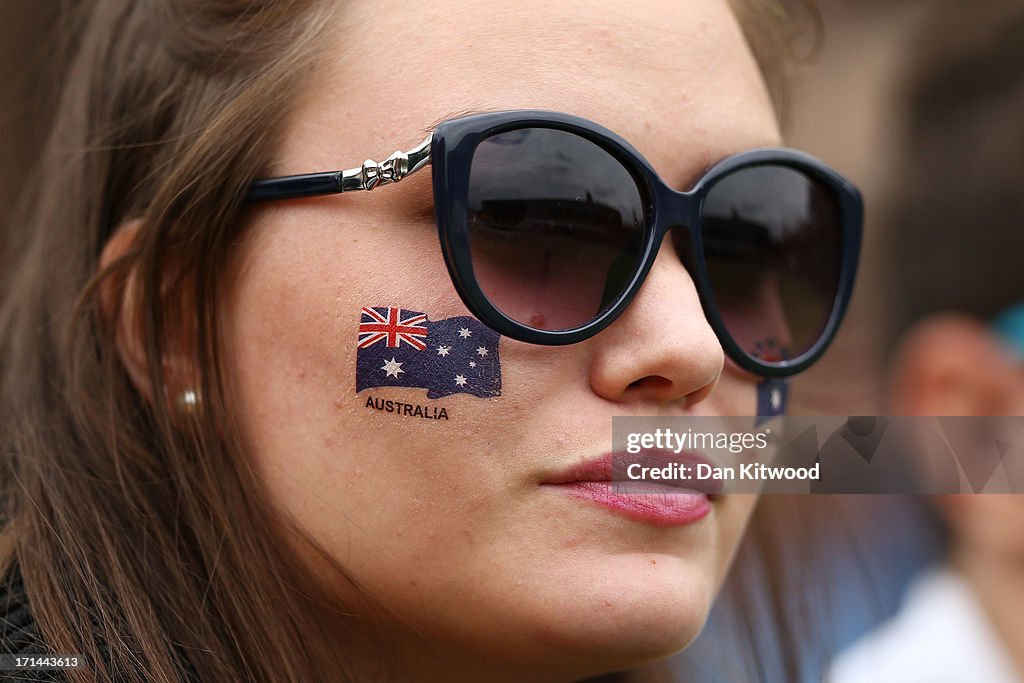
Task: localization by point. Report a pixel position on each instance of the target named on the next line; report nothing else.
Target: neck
(406, 657)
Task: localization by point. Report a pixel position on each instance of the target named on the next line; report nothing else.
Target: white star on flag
(464, 332)
(392, 367)
(481, 350)
(460, 380)
(472, 363)
(443, 350)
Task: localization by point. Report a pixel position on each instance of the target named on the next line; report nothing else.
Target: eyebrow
(458, 113)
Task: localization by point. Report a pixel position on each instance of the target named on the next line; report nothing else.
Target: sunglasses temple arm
(365, 177)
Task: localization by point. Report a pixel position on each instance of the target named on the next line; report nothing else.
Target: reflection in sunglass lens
(556, 226)
(772, 240)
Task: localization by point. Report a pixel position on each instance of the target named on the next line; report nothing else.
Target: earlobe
(953, 365)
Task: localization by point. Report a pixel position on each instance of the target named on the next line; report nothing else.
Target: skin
(481, 573)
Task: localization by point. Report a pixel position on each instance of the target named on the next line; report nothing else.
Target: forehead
(674, 78)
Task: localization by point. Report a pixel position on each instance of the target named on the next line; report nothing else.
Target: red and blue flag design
(402, 348)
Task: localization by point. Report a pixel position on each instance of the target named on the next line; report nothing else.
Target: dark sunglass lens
(772, 240)
(556, 226)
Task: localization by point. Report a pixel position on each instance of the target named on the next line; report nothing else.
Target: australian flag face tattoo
(403, 348)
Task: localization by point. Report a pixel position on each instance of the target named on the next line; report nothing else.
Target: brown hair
(780, 33)
(144, 540)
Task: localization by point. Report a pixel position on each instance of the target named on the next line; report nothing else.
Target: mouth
(656, 487)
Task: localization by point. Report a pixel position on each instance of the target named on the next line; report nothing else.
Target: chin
(623, 620)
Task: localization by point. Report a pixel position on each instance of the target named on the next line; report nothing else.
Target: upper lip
(612, 467)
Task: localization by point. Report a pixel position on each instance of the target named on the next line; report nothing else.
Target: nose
(662, 348)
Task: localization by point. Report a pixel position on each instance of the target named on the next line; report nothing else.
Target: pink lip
(663, 503)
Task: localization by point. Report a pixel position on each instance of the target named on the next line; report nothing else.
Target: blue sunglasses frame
(450, 148)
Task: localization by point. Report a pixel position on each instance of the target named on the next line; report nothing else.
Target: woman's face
(447, 523)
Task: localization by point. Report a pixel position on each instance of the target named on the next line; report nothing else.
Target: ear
(953, 365)
(118, 307)
(118, 294)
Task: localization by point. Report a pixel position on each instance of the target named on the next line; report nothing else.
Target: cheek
(292, 310)
(289, 322)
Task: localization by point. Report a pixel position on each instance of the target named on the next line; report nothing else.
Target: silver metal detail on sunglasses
(391, 170)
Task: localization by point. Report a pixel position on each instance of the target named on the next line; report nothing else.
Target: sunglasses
(549, 224)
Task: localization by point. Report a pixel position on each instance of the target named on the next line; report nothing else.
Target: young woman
(220, 460)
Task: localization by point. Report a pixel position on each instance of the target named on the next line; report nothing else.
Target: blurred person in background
(954, 333)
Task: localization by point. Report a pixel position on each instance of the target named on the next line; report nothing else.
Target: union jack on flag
(397, 347)
(376, 326)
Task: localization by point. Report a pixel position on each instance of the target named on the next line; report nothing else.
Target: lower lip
(661, 506)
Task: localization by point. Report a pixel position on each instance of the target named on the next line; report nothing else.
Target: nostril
(657, 386)
(652, 383)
